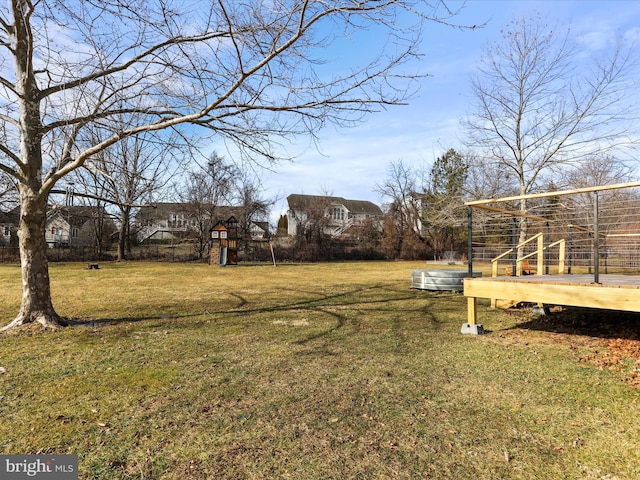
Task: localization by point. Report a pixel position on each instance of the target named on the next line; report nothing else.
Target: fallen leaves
(611, 340)
(616, 356)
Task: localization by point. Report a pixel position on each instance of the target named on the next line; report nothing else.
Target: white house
(167, 221)
(9, 226)
(77, 226)
(340, 214)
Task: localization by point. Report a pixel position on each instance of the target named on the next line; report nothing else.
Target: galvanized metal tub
(444, 280)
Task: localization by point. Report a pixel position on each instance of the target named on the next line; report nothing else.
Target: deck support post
(570, 250)
(596, 240)
(514, 247)
(547, 253)
(470, 241)
(472, 327)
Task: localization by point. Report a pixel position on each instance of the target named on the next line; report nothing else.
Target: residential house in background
(9, 227)
(340, 214)
(78, 226)
(177, 221)
(165, 221)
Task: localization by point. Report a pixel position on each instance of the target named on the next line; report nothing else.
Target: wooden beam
(616, 186)
(472, 310)
(551, 293)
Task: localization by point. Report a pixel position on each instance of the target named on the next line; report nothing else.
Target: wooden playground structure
(584, 250)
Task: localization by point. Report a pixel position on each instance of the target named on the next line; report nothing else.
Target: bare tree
(206, 189)
(8, 193)
(485, 179)
(254, 207)
(127, 174)
(599, 170)
(403, 225)
(538, 109)
(248, 72)
(313, 238)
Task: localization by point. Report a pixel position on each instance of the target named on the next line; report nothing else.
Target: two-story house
(168, 221)
(337, 215)
(9, 227)
(78, 226)
(165, 221)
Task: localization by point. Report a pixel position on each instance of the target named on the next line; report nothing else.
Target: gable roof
(303, 202)
(77, 215)
(162, 211)
(11, 217)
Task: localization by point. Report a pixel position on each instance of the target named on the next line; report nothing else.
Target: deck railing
(599, 233)
(522, 262)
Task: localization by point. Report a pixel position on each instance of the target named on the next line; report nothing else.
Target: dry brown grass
(304, 371)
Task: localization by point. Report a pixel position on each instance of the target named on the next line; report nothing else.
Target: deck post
(472, 327)
(514, 246)
(470, 241)
(472, 310)
(540, 267)
(596, 240)
(590, 266)
(570, 250)
(605, 255)
(547, 254)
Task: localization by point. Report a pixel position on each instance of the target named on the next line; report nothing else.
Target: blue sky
(352, 161)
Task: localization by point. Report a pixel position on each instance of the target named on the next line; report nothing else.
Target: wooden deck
(614, 292)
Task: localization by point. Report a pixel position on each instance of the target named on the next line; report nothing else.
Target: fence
(251, 251)
(9, 254)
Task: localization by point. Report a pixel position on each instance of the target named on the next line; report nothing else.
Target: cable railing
(588, 230)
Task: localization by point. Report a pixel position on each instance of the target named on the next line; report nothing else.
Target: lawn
(332, 371)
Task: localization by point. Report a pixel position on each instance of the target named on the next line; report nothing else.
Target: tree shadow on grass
(365, 300)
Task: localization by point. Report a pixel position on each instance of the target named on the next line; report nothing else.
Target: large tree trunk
(123, 234)
(36, 290)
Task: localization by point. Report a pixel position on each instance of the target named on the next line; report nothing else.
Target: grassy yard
(332, 371)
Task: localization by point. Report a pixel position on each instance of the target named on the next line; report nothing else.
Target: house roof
(11, 217)
(162, 210)
(262, 225)
(77, 215)
(303, 202)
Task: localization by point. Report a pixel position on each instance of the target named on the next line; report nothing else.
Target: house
(170, 221)
(337, 215)
(9, 227)
(165, 221)
(259, 230)
(68, 226)
(78, 226)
